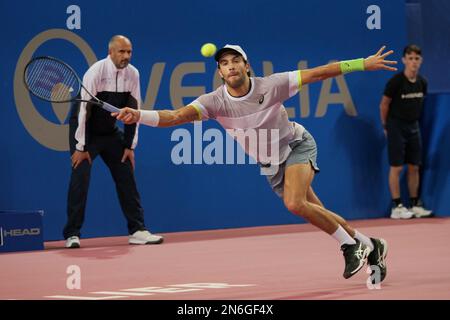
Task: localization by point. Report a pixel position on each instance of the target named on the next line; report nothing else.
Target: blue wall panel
(35, 162)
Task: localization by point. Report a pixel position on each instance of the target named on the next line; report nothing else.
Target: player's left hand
(378, 62)
(128, 154)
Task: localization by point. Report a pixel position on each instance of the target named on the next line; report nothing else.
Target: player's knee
(413, 169)
(396, 170)
(298, 207)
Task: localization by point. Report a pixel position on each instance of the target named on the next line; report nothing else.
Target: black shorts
(404, 142)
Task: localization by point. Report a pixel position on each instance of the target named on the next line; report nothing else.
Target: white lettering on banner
(74, 20)
(343, 97)
(178, 91)
(22, 232)
(148, 291)
(53, 135)
(1, 237)
(374, 21)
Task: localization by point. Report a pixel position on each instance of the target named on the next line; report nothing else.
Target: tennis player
(245, 102)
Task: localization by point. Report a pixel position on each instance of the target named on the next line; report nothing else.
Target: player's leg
(413, 182)
(129, 197)
(313, 198)
(414, 160)
(76, 203)
(396, 152)
(417, 206)
(311, 208)
(297, 181)
(298, 175)
(398, 210)
(378, 246)
(394, 182)
(77, 193)
(298, 178)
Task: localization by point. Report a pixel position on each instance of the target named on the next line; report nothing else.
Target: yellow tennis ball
(208, 49)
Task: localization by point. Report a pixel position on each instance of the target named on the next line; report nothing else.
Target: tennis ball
(208, 49)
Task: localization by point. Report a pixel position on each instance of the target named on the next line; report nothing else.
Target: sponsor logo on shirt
(261, 99)
(412, 95)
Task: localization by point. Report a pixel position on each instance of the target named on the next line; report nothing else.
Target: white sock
(342, 236)
(364, 239)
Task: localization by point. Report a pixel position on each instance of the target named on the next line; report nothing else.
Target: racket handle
(109, 107)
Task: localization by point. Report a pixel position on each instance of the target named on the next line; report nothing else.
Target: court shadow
(92, 249)
(104, 253)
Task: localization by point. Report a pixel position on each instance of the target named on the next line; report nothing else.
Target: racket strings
(33, 73)
(37, 78)
(52, 80)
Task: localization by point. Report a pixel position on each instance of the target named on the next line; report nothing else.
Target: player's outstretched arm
(372, 63)
(160, 118)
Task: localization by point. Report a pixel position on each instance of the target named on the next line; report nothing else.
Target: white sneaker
(144, 237)
(400, 212)
(73, 242)
(421, 212)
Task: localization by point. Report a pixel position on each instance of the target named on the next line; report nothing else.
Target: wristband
(149, 118)
(352, 65)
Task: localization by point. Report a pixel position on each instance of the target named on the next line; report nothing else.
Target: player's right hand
(127, 115)
(78, 157)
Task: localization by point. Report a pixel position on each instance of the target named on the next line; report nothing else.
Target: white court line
(85, 298)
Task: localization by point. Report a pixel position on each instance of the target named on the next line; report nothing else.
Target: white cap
(230, 47)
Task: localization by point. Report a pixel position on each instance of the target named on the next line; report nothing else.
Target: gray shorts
(303, 151)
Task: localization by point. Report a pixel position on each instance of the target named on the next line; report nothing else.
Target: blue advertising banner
(21, 231)
(342, 113)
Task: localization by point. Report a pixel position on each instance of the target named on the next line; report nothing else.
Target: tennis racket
(53, 80)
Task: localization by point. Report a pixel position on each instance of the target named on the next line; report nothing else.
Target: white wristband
(149, 118)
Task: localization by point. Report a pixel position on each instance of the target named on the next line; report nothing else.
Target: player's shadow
(96, 252)
(364, 143)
